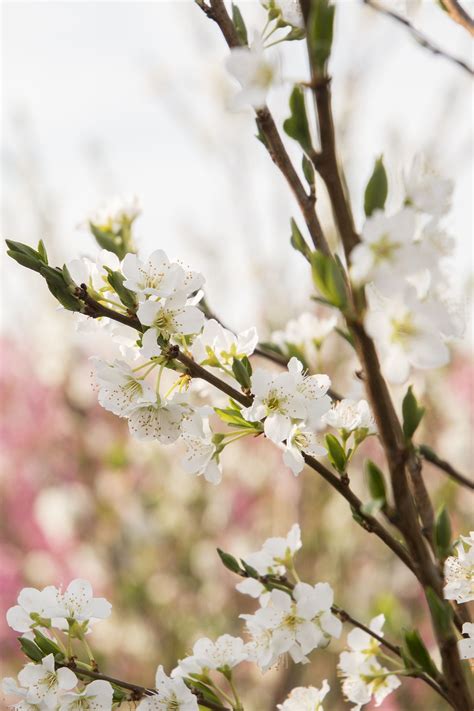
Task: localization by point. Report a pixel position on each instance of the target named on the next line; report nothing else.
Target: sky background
(105, 98)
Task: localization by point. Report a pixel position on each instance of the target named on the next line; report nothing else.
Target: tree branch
(417, 35)
(430, 456)
(459, 15)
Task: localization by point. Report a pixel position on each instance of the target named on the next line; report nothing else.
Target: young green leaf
(239, 25)
(229, 561)
(45, 644)
(336, 454)
(377, 189)
(375, 481)
(298, 242)
(416, 651)
(296, 126)
(31, 650)
(412, 414)
(443, 533)
(441, 612)
(241, 374)
(320, 34)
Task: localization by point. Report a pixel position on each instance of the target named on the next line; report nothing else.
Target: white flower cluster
(306, 698)
(112, 215)
(401, 258)
(459, 577)
(46, 685)
(293, 623)
(306, 334)
(52, 607)
(363, 676)
(291, 405)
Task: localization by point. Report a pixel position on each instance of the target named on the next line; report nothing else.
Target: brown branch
(417, 35)
(138, 691)
(217, 11)
(459, 15)
(430, 456)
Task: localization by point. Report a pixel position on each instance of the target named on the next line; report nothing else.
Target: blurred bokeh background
(106, 98)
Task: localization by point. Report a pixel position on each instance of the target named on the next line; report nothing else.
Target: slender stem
(459, 15)
(137, 690)
(430, 456)
(417, 35)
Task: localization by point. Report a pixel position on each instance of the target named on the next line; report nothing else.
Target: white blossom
(11, 688)
(299, 624)
(171, 317)
(91, 272)
(119, 387)
(350, 415)
(409, 332)
(466, 644)
(313, 389)
(363, 676)
(276, 399)
(202, 456)
(33, 606)
(301, 440)
(44, 682)
(223, 654)
(305, 698)
(78, 603)
(217, 346)
(255, 70)
(276, 554)
(97, 696)
(156, 276)
(459, 572)
(426, 191)
(171, 693)
(157, 419)
(307, 333)
(386, 253)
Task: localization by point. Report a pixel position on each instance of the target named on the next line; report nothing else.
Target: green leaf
(251, 572)
(239, 24)
(108, 241)
(443, 533)
(60, 289)
(241, 374)
(412, 414)
(441, 612)
(377, 189)
(247, 364)
(31, 650)
(298, 242)
(233, 418)
(26, 260)
(126, 296)
(229, 561)
(296, 126)
(375, 481)
(328, 278)
(416, 651)
(320, 34)
(308, 170)
(45, 644)
(336, 454)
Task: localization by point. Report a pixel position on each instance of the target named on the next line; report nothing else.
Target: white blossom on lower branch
(306, 698)
(97, 696)
(459, 572)
(45, 683)
(222, 655)
(171, 693)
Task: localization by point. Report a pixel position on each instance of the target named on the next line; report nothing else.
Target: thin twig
(417, 35)
(459, 15)
(430, 456)
(137, 690)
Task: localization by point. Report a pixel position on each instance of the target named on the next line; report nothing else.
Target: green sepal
(377, 189)
(308, 170)
(296, 126)
(336, 454)
(412, 414)
(251, 572)
(239, 25)
(241, 374)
